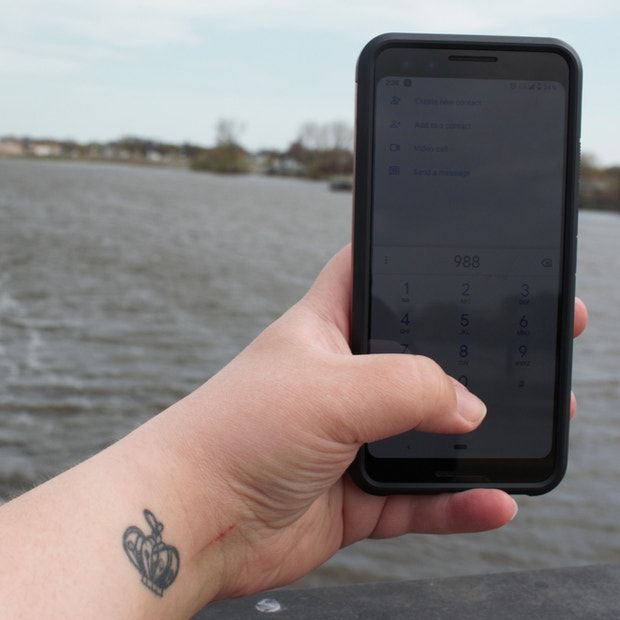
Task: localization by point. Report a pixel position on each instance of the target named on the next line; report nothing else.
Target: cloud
(66, 36)
(144, 23)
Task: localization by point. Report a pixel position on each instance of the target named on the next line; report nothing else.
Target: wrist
(187, 459)
(104, 519)
(167, 480)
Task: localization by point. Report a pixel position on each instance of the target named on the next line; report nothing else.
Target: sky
(169, 69)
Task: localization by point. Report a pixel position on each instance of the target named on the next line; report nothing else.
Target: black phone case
(362, 231)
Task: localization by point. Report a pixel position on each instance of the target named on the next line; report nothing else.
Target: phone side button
(575, 254)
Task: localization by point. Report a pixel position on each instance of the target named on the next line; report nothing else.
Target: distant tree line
(324, 149)
(227, 156)
(126, 149)
(319, 151)
(599, 187)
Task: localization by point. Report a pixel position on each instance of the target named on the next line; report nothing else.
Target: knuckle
(434, 386)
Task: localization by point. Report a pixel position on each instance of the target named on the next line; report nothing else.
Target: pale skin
(247, 475)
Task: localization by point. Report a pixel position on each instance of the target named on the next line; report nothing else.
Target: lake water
(123, 288)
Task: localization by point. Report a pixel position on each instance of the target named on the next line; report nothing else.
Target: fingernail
(469, 406)
(514, 514)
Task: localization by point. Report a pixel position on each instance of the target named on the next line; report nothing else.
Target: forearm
(63, 546)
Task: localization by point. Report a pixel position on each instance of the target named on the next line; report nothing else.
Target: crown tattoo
(157, 562)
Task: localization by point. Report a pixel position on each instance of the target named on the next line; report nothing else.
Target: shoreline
(159, 165)
(181, 165)
(587, 206)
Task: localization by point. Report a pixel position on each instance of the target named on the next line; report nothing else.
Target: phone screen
(467, 248)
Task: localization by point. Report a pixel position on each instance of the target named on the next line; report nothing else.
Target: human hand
(277, 428)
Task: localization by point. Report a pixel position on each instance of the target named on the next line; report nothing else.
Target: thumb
(330, 295)
(388, 394)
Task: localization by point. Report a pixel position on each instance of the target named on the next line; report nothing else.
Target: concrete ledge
(588, 592)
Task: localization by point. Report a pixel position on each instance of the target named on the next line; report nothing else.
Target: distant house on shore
(45, 148)
(11, 147)
(271, 162)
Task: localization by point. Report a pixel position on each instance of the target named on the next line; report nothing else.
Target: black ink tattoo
(157, 562)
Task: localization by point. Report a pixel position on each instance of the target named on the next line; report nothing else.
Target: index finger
(581, 316)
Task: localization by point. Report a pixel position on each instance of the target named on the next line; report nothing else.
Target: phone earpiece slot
(474, 58)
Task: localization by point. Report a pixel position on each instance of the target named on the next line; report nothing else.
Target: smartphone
(464, 248)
